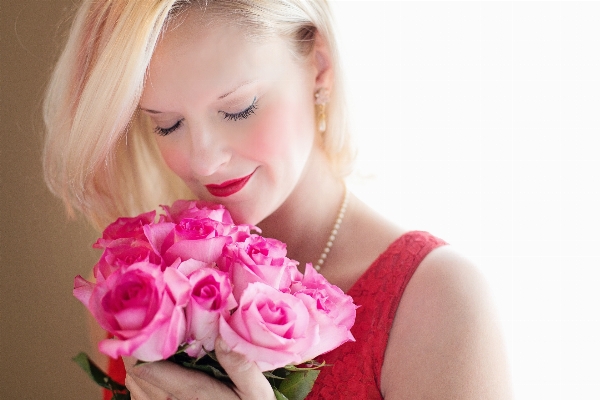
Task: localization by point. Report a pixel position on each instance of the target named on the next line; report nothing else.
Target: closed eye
(242, 114)
(165, 131)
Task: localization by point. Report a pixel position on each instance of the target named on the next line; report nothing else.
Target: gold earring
(321, 100)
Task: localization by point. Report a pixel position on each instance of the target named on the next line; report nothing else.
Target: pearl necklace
(334, 231)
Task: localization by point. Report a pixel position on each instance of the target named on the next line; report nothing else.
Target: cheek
(283, 132)
(173, 157)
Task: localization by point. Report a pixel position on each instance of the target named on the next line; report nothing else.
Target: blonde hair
(99, 155)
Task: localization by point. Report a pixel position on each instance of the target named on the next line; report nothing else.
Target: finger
(135, 391)
(179, 382)
(250, 383)
(148, 391)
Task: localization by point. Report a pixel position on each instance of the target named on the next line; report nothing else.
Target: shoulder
(445, 341)
(364, 236)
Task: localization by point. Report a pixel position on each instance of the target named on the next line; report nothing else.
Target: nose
(208, 151)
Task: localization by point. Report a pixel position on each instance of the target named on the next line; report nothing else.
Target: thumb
(250, 383)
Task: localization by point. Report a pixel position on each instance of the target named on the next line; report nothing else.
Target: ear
(322, 63)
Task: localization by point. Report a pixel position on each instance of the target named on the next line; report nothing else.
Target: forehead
(211, 39)
(218, 37)
(213, 54)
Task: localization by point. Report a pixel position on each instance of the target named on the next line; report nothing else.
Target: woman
(241, 103)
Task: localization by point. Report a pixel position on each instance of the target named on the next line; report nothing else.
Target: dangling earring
(321, 100)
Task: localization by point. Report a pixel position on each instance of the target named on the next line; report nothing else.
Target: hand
(165, 380)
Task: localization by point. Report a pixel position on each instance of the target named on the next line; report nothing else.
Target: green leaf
(270, 374)
(217, 373)
(298, 384)
(279, 395)
(310, 365)
(208, 363)
(119, 391)
(211, 354)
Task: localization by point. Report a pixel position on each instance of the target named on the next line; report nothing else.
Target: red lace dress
(355, 367)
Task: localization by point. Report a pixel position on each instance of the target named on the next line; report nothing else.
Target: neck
(304, 221)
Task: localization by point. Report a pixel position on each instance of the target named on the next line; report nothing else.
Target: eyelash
(230, 117)
(165, 131)
(242, 114)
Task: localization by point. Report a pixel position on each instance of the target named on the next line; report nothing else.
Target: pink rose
(330, 308)
(196, 209)
(188, 267)
(142, 306)
(330, 299)
(123, 252)
(194, 229)
(211, 298)
(127, 227)
(198, 239)
(270, 327)
(331, 335)
(259, 259)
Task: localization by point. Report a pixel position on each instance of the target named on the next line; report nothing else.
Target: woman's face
(234, 118)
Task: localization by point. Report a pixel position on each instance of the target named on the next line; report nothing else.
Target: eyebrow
(150, 111)
(245, 83)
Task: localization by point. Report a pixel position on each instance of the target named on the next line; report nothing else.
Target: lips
(230, 187)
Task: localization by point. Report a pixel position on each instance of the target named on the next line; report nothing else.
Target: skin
(198, 86)
(444, 343)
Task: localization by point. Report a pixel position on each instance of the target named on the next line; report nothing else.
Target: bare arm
(445, 342)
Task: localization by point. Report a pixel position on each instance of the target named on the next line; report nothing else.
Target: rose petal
(266, 359)
(158, 234)
(206, 250)
(82, 290)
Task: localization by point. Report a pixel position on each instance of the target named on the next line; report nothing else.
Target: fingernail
(135, 369)
(223, 346)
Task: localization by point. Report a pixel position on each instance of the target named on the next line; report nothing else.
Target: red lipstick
(228, 188)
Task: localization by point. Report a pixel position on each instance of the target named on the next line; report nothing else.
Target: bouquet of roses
(166, 287)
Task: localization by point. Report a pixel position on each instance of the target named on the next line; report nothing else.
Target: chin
(244, 216)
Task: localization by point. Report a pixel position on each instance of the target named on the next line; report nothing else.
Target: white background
(479, 122)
